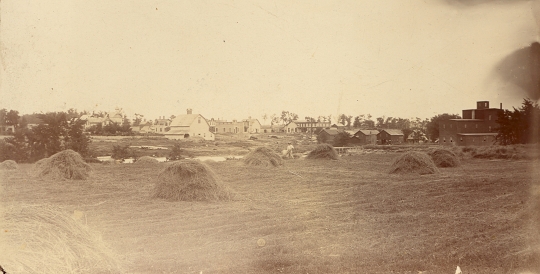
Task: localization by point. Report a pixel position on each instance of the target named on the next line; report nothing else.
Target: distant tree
(178, 153)
(120, 152)
(357, 122)
(172, 117)
(138, 119)
(433, 125)
(126, 127)
(406, 133)
(76, 139)
(342, 139)
(520, 126)
(12, 118)
(287, 117)
(265, 117)
(274, 119)
(380, 122)
(345, 120)
(3, 117)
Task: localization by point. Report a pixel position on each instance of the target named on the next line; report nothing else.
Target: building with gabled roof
(327, 135)
(390, 137)
(365, 137)
(189, 125)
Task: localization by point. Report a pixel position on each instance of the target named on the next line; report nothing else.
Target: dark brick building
(478, 127)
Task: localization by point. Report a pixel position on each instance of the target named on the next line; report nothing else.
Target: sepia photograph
(257, 136)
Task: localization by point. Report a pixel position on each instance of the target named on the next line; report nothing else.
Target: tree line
(56, 132)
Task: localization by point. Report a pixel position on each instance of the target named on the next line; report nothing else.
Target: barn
(189, 125)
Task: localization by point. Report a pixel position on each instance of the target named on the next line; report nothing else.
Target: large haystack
(8, 165)
(45, 239)
(263, 156)
(189, 180)
(323, 151)
(413, 162)
(147, 160)
(444, 158)
(66, 164)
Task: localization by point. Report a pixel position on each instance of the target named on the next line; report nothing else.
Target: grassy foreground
(345, 216)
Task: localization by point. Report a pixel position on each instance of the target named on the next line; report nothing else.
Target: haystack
(323, 151)
(66, 164)
(413, 162)
(444, 158)
(189, 180)
(8, 165)
(147, 160)
(263, 156)
(45, 239)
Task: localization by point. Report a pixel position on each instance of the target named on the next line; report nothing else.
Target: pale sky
(233, 59)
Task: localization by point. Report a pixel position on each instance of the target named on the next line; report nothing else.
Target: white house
(189, 125)
(252, 126)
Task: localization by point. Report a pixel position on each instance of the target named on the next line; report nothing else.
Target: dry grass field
(309, 216)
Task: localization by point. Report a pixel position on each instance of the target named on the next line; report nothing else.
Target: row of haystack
(190, 180)
(424, 163)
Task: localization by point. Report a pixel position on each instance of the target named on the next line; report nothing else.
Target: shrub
(66, 164)
(122, 152)
(178, 153)
(413, 162)
(323, 151)
(189, 180)
(263, 156)
(444, 158)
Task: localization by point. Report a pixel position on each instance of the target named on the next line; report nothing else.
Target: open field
(345, 216)
(224, 145)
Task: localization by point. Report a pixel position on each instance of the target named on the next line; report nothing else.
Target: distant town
(476, 126)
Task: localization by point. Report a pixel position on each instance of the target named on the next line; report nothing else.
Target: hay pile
(8, 165)
(44, 239)
(263, 156)
(323, 151)
(413, 162)
(66, 164)
(444, 158)
(189, 180)
(146, 160)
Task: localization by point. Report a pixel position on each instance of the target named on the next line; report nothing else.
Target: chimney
(189, 111)
(501, 105)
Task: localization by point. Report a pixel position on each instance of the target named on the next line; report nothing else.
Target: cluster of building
(477, 127)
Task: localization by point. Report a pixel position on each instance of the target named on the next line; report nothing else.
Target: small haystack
(189, 180)
(323, 151)
(147, 160)
(413, 162)
(263, 156)
(444, 158)
(66, 164)
(8, 165)
(44, 239)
